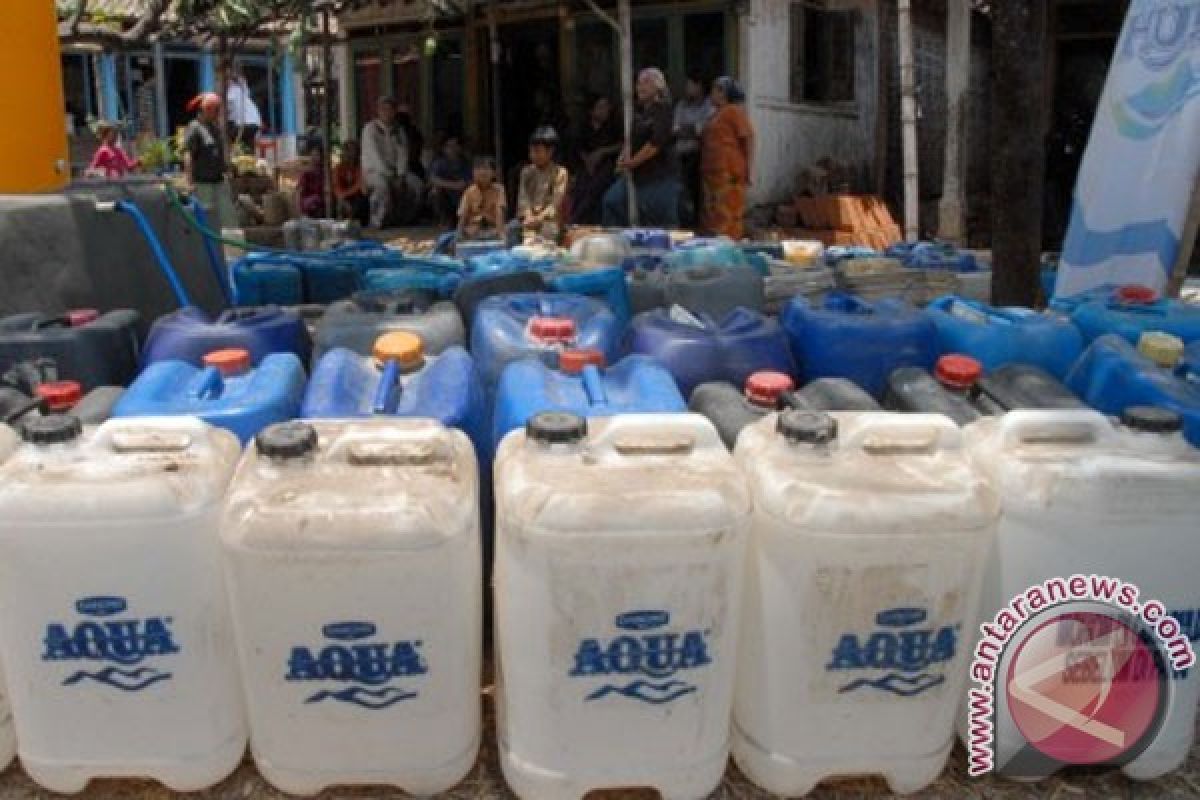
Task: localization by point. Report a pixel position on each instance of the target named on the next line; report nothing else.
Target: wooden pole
(497, 115)
(327, 112)
(952, 208)
(626, 30)
(1191, 228)
(908, 121)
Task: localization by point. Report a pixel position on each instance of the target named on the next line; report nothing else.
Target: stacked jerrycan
(81, 345)
(67, 397)
(731, 409)
(355, 323)
(872, 527)
(597, 269)
(947, 391)
(115, 635)
(261, 279)
(998, 336)
(847, 337)
(189, 333)
(440, 274)
(1113, 375)
(698, 348)
(8, 737)
(369, 674)
(471, 293)
(1085, 495)
(515, 326)
(974, 281)
(581, 385)
(830, 394)
(618, 583)
(399, 379)
(227, 391)
(715, 290)
(1130, 311)
(1020, 386)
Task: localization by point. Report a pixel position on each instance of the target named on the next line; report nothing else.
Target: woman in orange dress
(727, 160)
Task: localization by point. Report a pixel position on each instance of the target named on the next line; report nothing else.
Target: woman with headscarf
(650, 159)
(205, 161)
(727, 160)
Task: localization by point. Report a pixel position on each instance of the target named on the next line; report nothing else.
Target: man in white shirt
(245, 120)
(393, 191)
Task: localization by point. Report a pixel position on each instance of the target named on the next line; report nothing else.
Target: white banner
(1143, 157)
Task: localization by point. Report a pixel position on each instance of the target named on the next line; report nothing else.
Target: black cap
(807, 427)
(287, 440)
(1151, 419)
(53, 429)
(556, 427)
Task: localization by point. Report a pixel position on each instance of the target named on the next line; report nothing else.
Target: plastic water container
(84, 345)
(999, 336)
(189, 333)
(697, 349)
(262, 280)
(68, 397)
(606, 285)
(847, 337)
(1189, 367)
(355, 323)
(468, 249)
(515, 326)
(115, 633)
(938, 255)
(327, 280)
(730, 409)
(582, 385)
(870, 529)
(647, 238)
(8, 737)
(1084, 495)
(836, 254)
(719, 253)
(618, 583)
(947, 391)
(830, 394)
(442, 282)
(715, 291)
(318, 234)
(1130, 311)
(647, 282)
(226, 392)
(398, 379)
(1112, 375)
(1020, 386)
(471, 293)
(371, 676)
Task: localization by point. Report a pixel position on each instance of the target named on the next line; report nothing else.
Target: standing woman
(727, 160)
(599, 142)
(650, 159)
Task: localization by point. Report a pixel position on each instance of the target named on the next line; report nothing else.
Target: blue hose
(214, 257)
(160, 255)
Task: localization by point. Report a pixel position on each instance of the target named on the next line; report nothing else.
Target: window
(822, 53)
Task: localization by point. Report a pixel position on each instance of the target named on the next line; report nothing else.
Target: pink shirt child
(112, 160)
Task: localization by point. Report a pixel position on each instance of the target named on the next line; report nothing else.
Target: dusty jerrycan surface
(619, 558)
(1082, 494)
(863, 583)
(116, 633)
(370, 674)
(355, 323)
(8, 737)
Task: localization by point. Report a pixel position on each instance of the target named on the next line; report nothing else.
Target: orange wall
(33, 137)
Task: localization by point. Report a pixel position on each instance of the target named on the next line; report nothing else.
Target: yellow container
(33, 136)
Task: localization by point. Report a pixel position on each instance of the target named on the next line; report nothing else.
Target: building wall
(791, 136)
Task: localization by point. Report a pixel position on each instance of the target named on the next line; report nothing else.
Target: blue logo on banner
(123, 643)
(656, 657)
(898, 646)
(368, 667)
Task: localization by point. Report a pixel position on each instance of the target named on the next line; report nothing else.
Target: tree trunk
(1018, 148)
(953, 206)
(908, 122)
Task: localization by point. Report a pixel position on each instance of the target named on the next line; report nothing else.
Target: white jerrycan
(114, 628)
(1082, 494)
(352, 551)
(8, 737)
(620, 547)
(863, 582)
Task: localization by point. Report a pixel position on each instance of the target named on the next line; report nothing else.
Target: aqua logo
(1158, 32)
(367, 667)
(900, 647)
(122, 642)
(644, 650)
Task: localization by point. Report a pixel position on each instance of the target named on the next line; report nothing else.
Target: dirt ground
(486, 781)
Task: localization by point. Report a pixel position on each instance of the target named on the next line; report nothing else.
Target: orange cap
(230, 361)
(553, 329)
(1135, 294)
(60, 395)
(400, 346)
(82, 316)
(764, 387)
(572, 362)
(957, 371)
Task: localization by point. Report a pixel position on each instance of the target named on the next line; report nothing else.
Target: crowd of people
(688, 163)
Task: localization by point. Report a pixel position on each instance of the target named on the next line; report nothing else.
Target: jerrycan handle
(211, 384)
(388, 390)
(1079, 427)
(884, 434)
(416, 445)
(593, 385)
(151, 435)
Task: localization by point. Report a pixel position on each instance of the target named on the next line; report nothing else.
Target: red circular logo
(1086, 688)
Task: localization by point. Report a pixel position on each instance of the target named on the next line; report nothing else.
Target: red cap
(231, 361)
(957, 372)
(763, 388)
(82, 316)
(572, 362)
(1135, 294)
(60, 395)
(553, 329)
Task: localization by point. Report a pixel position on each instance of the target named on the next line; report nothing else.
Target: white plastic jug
(8, 737)
(864, 574)
(353, 563)
(1082, 494)
(620, 548)
(114, 628)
